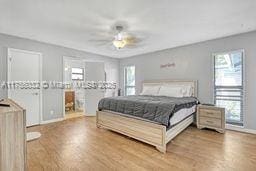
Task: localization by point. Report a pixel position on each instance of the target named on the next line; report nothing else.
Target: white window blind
(229, 85)
(129, 81)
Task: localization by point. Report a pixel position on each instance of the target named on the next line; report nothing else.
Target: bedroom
(153, 48)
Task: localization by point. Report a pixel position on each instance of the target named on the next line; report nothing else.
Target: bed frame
(148, 132)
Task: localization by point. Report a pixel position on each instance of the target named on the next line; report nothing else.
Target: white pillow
(187, 90)
(150, 90)
(172, 91)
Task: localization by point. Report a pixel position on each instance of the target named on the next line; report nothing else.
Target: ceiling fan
(119, 38)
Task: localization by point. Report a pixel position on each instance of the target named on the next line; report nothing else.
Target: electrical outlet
(52, 112)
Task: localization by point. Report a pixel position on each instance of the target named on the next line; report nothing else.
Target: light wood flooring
(71, 114)
(76, 144)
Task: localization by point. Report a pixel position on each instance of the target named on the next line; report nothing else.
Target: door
(24, 66)
(94, 71)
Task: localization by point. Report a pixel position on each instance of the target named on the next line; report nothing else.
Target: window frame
(242, 114)
(76, 73)
(125, 79)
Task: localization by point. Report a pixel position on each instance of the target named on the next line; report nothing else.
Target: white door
(94, 71)
(25, 66)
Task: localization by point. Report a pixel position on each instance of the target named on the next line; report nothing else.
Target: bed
(132, 115)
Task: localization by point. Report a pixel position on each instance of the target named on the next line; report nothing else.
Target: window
(129, 81)
(77, 74)
(229, 85)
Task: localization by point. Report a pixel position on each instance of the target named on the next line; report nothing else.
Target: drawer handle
(210, 122)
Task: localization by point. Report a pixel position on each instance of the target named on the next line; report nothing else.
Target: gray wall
(196, 62)
(52, 68)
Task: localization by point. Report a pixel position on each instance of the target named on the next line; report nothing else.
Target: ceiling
(160, 24)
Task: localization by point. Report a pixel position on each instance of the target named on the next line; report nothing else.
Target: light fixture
(119, 42)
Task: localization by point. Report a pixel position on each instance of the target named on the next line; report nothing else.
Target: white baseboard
(52, 121)
(240, 129)
(90, 115)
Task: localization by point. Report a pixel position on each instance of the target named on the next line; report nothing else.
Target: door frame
(63, 76)
(9, 50)
(63, 80)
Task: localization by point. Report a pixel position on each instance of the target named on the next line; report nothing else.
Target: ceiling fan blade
(101, 35)
(100, 42)
(132, 40)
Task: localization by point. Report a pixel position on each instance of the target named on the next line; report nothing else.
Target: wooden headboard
(192, 83)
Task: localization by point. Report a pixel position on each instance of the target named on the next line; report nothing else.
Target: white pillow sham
(172, 91)
(187, 90)
(150, 90)
(176, 90)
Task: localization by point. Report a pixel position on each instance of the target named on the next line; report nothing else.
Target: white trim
(243, 78)
(66, 58)
(90, 115)
(24, 51)
(52, 121)
(40, 76)
(125, 74)
(240, 129)
(63, 91)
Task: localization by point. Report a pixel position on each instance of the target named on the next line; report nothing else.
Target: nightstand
(211, 117)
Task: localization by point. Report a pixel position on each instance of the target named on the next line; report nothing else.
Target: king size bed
(156, 116)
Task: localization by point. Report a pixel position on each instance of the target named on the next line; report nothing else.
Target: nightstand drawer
(210, 113)
(214, 122)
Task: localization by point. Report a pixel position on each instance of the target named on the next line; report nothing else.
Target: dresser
(12, 137)
(211, 117)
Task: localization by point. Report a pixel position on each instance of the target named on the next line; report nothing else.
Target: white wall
(52, 68)
(196, 62)
(192, 62)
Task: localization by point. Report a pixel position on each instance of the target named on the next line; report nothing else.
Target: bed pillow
(187, 91)
(172, 91)
(150, 90)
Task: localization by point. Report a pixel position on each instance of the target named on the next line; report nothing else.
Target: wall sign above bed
(168, 65)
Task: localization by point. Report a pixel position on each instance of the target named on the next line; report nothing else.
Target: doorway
(74, 71)
(26, 66)
(79, 101)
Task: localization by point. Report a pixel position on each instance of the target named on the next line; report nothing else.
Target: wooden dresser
(12, 137)
(211, 117)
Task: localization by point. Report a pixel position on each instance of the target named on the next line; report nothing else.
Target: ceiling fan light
(119, 43)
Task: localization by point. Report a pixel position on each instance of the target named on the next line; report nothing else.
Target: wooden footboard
(147, 132)
(151, 133)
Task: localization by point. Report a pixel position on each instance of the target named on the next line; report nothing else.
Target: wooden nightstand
(211, 117)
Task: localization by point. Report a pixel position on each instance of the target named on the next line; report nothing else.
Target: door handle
(35, 94)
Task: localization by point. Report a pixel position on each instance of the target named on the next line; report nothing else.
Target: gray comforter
(154, 108)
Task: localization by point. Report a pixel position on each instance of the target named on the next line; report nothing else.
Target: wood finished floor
(76, 144)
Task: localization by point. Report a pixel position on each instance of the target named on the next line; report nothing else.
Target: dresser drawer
(210, 113)
(214, 122)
